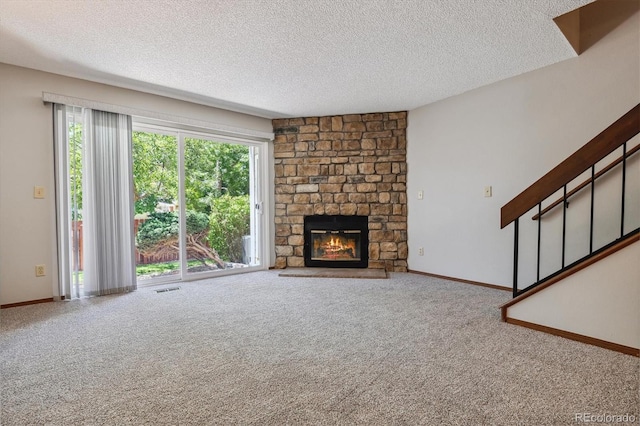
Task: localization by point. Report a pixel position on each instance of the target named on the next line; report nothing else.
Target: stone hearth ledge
(334, 273)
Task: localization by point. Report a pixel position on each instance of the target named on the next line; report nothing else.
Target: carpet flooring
(259, 349)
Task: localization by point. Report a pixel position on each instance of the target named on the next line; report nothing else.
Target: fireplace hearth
(336, 241)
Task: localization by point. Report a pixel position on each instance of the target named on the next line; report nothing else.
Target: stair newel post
(593, 191)
(564, 222)
(515, 257)
(539, 233)
(624, 178)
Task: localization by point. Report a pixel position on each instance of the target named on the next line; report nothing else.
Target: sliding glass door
(157, 216)
(195, 198)
(198, 205)
(216, 191)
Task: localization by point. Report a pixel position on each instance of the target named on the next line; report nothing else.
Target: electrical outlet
(420, 195)
(40, 271)
(420, 251)
(487, 191)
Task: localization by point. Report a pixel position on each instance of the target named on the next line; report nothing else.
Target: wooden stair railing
(585, 158)
(586, 183)
(599, 147)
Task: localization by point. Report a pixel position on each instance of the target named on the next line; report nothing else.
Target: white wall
(506, 135)
(601, 301)
(27, 225)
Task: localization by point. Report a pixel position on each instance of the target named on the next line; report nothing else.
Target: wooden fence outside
(141, 259)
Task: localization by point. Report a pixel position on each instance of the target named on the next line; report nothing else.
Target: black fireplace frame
(337, 223)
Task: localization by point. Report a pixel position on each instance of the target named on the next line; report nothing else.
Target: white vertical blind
(63, 198)
(108, 210)
(94, 200)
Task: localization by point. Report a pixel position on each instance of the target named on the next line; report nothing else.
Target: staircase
(576, 266)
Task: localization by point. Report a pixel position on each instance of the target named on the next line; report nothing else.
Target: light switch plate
(38, 192)
(487, 191)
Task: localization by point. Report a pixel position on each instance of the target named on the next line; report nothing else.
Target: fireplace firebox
(336, 241)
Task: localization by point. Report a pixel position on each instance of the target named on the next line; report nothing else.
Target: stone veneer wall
(347, 164)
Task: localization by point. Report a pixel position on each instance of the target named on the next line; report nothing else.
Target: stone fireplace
(347, 165)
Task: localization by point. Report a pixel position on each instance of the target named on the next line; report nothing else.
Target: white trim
(182, 220)
(221, 129)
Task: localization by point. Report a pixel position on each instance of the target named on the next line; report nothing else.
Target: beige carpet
(259, 349)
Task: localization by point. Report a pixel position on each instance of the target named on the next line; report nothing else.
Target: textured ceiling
(278, 58)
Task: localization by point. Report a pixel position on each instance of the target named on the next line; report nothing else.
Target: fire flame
(335, 247)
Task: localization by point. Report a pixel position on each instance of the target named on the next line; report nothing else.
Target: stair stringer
(600, 302)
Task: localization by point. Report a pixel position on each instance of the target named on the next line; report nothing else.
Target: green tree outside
(228, 223)
(155, 170)
(214, 169)
(75, 169)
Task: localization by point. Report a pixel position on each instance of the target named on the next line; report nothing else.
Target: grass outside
(154, 269)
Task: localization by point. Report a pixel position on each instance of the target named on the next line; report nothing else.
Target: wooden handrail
(595, 150)
(586, 182)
